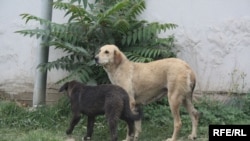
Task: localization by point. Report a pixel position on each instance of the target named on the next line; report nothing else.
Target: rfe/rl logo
(229, 132)
(226, 132)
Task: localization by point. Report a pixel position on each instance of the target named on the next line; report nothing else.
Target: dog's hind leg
(130, 129)
(194, 115)
(175, 100)
(112, 121)
(90, 126)
(112, 115)
(134, 136)
(75, 119)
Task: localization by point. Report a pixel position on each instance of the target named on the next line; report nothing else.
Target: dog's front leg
(75, 119)
(137, 129)
(90, 126)
(134, 135)
(137, 124)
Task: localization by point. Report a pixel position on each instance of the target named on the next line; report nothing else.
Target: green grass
(17, 134)
(49, 123)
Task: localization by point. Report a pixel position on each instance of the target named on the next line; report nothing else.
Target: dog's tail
(129, 114)
(192, 89)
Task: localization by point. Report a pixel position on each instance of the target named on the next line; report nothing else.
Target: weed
(238, 83)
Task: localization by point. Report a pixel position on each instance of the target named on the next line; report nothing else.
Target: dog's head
(68, 86)
(109, 55)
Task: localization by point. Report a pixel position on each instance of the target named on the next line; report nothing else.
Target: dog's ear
(117, 57)
(64, 87)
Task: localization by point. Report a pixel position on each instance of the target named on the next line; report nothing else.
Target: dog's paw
(86, 138)
(192, 137)
(135, 138)
(170, 139)
(129, 139)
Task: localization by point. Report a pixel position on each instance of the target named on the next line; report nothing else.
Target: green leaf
(129, 38)
(85, 3)
(91, 25)
(134, 36)
(113, 9)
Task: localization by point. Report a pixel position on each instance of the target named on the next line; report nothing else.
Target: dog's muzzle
(97, 59)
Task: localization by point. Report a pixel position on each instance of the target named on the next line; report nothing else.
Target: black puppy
(111, 100)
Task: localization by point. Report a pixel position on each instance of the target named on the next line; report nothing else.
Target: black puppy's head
(64, 87)
(68, 86)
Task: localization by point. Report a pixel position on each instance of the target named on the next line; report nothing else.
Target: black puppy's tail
(129, 114)
(64, 87)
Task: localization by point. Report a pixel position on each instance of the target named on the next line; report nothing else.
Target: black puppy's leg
(113, 129)
(130, 125)
(75, 119)
(112, 116)
(90, 126)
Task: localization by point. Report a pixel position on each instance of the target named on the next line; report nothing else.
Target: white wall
(213, 37)
(18, 53)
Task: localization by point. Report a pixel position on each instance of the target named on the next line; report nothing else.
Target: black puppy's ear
(64, 87)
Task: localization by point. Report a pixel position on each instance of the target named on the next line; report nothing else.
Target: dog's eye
(106, 52)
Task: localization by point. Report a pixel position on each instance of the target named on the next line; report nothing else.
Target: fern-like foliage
(93, 24)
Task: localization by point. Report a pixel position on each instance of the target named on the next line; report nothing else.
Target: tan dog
(147, 82)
